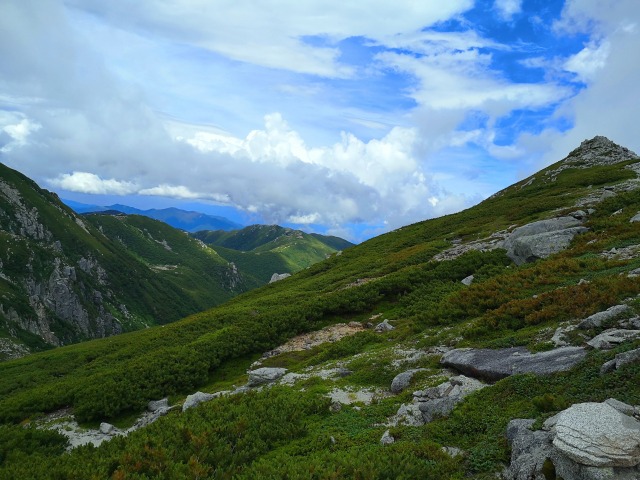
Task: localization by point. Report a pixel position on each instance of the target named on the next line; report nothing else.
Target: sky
(344, 117)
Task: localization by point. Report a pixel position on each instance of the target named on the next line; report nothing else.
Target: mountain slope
(63, 280)
(269, 249)
(411, 277)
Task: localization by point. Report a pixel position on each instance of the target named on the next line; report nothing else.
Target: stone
(467, 280)
(453, 451)
(196, 399)
(335, 407)
(107, 429)
(387, 439)
(597, 319)
(610, 338)
(265, 375)
(596, 434)
(542, 238)
(579, 214)
(402, 380)
(635, 218)
(494, 365)
(529, 451)
(384, 326)
(620, 360)
(155, 405)
(409, 415)
(276, 277)
(620, 406)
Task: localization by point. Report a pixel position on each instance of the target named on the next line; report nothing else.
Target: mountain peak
(598, 151)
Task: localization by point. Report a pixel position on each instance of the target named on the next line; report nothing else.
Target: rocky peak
(598, 151)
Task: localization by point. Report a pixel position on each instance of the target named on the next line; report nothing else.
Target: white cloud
(508, 8)
(16, 128)
(85, 182)
(589, 61)
(182, 192)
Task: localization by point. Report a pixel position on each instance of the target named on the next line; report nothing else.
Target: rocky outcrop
(276, 277)
(265, 375)
(493, 365)
(620, 360)
(387, 439)
(541, 239)
(467, 280)
(384, 326)
(196, 399)
(610, 338)
(588, 441)
(598, 319)
(403, 380)
(436, 402)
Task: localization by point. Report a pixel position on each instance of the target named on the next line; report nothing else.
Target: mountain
(432, 351)
(184, 220)
(66, 278)
(262, 250)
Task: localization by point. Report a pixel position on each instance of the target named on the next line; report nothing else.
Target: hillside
(423, 347)
(67, 278)
(186, 220)
(269, 249)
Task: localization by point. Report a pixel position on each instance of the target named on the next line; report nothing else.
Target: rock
(597, 319)
(387, 439)
(558, 339)
(579, 214)
(335, 407)
(635, 218)
(596, 434)
(543, 238)
(384, 326)
(453, 451)
(620, 406)
(620, 360)
(155, 405)
(276, 277)
(196, 399)
(402, 380)
(107, 429)
(409, 415)
(265, 375)
(634, 273)
(493, 365)
(467, 280)
(609, 338)
(529, 451)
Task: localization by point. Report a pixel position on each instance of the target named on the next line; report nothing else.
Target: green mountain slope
(64, 280)
(269, 249)
(412, 277)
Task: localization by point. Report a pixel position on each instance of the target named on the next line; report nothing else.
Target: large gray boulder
(403, 380)
(635, 218)
(196, 399)
(597, 319)
(265, 375)
(620, 360)
(598, 435)
(529, 450)
(610, 338)
(493, 365)
(157, 405)
(543, 238)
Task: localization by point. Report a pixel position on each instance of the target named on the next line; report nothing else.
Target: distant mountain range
(183, 219)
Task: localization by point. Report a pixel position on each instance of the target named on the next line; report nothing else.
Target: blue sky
(344, 117)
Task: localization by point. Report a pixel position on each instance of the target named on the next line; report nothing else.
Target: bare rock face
(265, 375)
(493, 365)
(541, 239)
(276, 277)
(196, 399)
(610, 338)
(598, 435)
(597, 319)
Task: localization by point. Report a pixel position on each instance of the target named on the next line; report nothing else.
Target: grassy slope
(247, 437)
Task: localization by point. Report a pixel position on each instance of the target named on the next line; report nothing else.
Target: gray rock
(265, 375)
(409, 415)
(543, 238)
(439, 401)
(496, 364)
(402, 380)
(467, 280)
(620, 406)
(610, 338)
(579, 214)
(634, 273)
(620, 360)
(155, 405)
(597, 319)
(635, 218)
(529, 451)
(196, 399)
(276, 277)
(596, 434)
(387, 439)
(384, 326)
(453, 451)
(107, 429)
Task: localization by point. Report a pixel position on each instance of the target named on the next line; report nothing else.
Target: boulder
(597, 319)
(107, 429)
(493, 365)
(610, 338)
(529, 451)
(635, 218)
(467, 280)
(265, 375)
(543, 238)
(276, 277)
(402, 380)
(387, 439)
(620, 360)
(597, 434)
(156, 405)
(384, 326)
(196, 399)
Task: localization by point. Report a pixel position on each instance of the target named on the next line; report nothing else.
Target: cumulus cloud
(588, 61)
(508, 8)
(85, 182)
